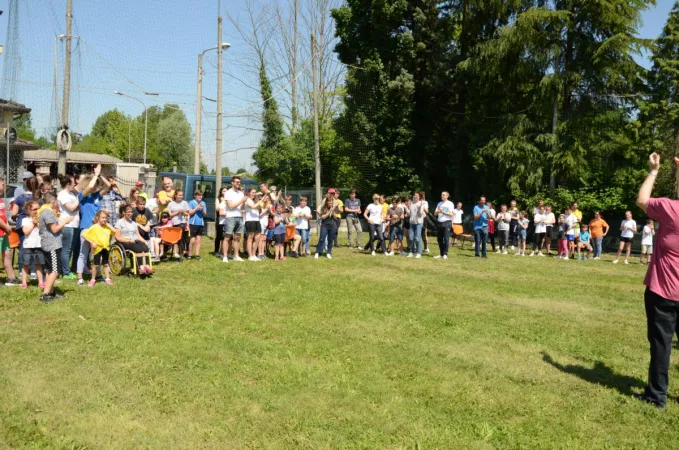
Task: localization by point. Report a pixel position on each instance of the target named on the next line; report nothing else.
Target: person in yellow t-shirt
(578, 215)
(165, 196)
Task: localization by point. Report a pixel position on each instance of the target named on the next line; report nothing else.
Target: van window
(178, 184)
(207, 187)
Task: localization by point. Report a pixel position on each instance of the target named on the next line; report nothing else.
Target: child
(457, 220)
(32, 251)
(143, 217)
(523, 233)
(628, 227)
(197, 208)
(561, 236)
(647, 241)
(5, 231)
(302, 214)
(99, 238)
(584, 241)
(395, 218)
(264, 224)
(571, 222)
(165, 222)
(179, 211)
(50, 242)
(279, 234)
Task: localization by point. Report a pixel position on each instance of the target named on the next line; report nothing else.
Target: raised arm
(647, 187)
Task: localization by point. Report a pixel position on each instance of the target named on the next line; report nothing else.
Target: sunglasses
(34, 209)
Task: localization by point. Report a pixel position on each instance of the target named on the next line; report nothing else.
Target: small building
(8, 111)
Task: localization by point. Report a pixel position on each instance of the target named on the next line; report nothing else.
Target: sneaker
(499, 251)
(645, 399)
(437, 257)
(405, 254)
(176, 255)
(426, 250)
(225, 259)
(372, 253)
(70, 276)
(410, 255)
(316, 255)
(329, 256)
(532, 254)
(517, 254)
(80, 282)
(33, 276)
(579, 257)
(512, 248)
(219, 255)
(418, 256)
(12, 282)
(505, 252)
(238, 258)
(565, 258)
(445, 256)
(46, 298)
(596, 258)
(55, 294)
(197, 258)
(253, 258)
(615, 261)
(540, 254)
(523, 254)
(626, 262)
(294, 255)
(180, 260)
(91, 282)
(585, 258)
(389, 254)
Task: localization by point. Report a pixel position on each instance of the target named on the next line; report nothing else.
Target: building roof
(19, 144)
(47, 155)
(8, 105)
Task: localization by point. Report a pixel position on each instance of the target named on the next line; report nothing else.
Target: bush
(608, 200)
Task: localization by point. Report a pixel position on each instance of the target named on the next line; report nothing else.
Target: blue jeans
(305, 238)
(480, 238)
(329, 234)
(597, 246)
(67, 235)
(416, 238)
(443, 236)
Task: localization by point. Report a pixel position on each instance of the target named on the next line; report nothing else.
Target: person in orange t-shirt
(596, 229)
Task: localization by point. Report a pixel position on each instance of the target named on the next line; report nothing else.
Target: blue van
(188, 183)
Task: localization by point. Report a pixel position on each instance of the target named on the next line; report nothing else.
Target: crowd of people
(70, 234)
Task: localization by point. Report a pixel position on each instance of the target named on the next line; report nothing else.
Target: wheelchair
(122, 261)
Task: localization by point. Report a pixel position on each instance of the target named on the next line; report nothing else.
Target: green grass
(357, 352)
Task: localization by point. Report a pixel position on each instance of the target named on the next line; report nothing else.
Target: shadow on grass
(599, 374)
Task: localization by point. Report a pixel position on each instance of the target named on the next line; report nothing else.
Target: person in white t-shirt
(457, 220)
(252, 224)
(502, 221)
(233, 226)
(571, 222)
(373, 214)
(32, 254)
(302, 215)
(69, 206)
(627, 229)
(444, 217)
(220, 210)
(550, 221)
(647, 241)
(540, 221)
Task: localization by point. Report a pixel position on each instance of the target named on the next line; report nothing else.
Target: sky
(151, 45)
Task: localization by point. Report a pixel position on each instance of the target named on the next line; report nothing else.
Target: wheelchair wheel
(117, 260)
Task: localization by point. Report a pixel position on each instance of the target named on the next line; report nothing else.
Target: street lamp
(146, 114)
(199, 106)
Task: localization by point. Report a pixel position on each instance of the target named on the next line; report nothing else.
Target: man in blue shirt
(481, 217)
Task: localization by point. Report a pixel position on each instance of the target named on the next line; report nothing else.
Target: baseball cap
(28, 175)
(331, 191)
(139, 183)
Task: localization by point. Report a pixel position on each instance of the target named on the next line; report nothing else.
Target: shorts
(196, 230)
(522, 234)
(396, 232)
(269, 234)
(646, 249)
(4, 244)
(33, 256)
(234, 225)
(279, 239)
(626, 240)
(548, 233)
(52, 261)
(253, 227)
(101, 258)
(570, 237)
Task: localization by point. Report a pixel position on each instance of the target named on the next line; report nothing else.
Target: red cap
(331, 191)
(139, 183)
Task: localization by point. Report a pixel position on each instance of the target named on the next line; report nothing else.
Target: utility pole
(218, 153)
(199, 115)
(61, 168)
(293, 75)
(317, 148)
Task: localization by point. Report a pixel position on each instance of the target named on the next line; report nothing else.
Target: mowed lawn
(357, 352)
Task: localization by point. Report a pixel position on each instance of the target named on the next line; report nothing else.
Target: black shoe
(645, 399)
(197, 258)
(46, 298)
(55, 294)
(180, 260)
(294, 255)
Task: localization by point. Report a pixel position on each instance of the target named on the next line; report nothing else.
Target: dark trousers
(136, 247)
(219, 230)
(491, 239)
(376, 231)
(329, 233)
(480, 238)
(338, 222)
(514, 231)
(661, 318)
(443, 236)
(540, 241)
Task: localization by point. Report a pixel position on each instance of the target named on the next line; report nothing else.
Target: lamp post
(199, 107)
(146, 114)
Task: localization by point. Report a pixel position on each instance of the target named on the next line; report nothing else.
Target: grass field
(357, 352)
